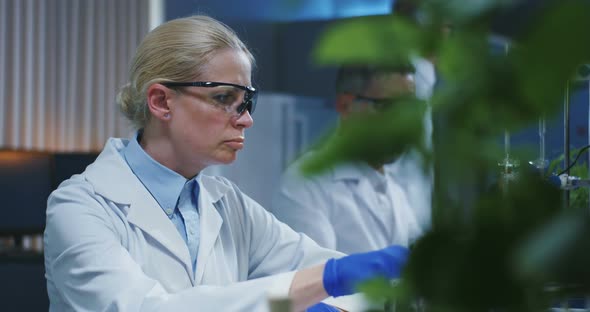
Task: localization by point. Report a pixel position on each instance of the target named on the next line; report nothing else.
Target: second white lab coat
(340, 209)
(110, 247)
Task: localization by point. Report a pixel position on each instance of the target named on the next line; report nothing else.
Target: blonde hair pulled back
(177, 50)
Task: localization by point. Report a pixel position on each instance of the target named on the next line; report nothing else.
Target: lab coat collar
(346, 172)
(215, 188)
(112, 178)
(110, 175)
(164, 184)
(360, 172)
(353, 171)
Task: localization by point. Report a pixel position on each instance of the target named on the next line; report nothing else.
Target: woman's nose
(244, 120)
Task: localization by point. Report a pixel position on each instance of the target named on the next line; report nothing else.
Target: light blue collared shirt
(177, 196)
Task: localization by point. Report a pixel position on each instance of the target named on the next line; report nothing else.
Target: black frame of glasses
(250, 97)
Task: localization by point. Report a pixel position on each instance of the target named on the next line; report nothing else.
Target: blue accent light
(282, 10)
(350, 8)
(295, 10)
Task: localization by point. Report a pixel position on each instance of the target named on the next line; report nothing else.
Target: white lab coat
(424, 77)
(110, 247)
(418, 183)
(341, 209)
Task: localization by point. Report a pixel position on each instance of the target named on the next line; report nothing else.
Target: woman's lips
(236, 144)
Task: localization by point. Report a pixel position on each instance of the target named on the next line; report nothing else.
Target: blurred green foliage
(391, 133)
(497, 247)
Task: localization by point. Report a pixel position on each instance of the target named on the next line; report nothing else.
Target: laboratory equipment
(541, 163)
(508, 165)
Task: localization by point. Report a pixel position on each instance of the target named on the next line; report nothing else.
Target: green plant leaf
(551, 51)
(558, 252)
(374, 138)
(378, 40)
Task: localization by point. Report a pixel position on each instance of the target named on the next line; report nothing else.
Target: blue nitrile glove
(341, 276)
(322, 307)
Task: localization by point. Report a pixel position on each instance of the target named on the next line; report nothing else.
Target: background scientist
(354, 207)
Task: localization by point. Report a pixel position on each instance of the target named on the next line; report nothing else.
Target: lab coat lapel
(113, 179)
(146, 214)
(363, 192)
(366, 196)
(210, 193)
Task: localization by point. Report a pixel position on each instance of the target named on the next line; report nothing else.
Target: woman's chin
(227, 159)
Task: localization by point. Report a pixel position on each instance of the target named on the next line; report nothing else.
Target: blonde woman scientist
(142, 230)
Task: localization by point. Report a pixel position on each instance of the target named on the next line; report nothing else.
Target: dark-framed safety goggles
(249, 98)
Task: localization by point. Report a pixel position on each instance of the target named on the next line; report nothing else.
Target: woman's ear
(158, 97)
(344, 104)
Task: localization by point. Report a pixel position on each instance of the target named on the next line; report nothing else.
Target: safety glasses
(231, 97)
